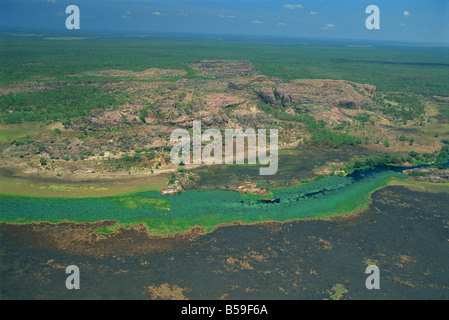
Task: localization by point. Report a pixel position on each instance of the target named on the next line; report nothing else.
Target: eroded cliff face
(337, 93)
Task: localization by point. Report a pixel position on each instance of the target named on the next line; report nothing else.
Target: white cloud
(328, 26)
(293, 6)
(282, 24)
(258, 22)
(406, 13)
(156, 13)
(127, 15)
(313, 12)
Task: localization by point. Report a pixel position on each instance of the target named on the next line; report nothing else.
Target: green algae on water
(164, 214)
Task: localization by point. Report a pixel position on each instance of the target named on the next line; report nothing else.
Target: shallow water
(205, 208)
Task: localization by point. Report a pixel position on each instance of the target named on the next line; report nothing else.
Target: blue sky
(400, 20)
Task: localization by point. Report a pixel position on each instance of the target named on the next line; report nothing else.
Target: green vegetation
(321, 135)
(390, 68)
(443, 111)
(416, 173)
(442, 158)
(339, 290)
(404, 107)
(66, 102)
(396, 159)
(377, 161)
(328, 138)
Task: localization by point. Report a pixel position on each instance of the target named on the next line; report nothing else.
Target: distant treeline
(421, 70)
(429, 64)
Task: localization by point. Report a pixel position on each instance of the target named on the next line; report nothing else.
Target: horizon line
(103, 32)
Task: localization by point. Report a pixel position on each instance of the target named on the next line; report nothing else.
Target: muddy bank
(82, 238)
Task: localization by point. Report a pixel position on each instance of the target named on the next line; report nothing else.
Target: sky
(424, 21)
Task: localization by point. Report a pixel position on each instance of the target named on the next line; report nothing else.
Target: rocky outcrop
(428, 175)
(227, 94)
(336, 93)
(224, 68)
(173, 188)
(266, 94)
(180, 181)
(252, 188)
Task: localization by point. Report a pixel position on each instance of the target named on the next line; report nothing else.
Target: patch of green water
(164, 214)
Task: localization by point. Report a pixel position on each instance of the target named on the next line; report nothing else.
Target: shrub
(416, 173)
(335, 140)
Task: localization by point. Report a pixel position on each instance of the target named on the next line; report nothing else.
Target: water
(205, 208)
(164, 214)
